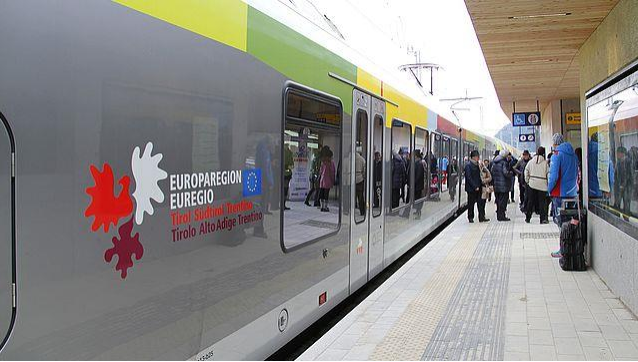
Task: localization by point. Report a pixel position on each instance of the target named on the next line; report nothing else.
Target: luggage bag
(572, 238)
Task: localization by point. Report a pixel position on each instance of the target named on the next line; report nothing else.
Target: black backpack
(572, 246)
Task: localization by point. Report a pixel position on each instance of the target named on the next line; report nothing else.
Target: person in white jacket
(536, 173)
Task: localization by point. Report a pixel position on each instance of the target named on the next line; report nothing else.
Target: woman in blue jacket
(563, 174)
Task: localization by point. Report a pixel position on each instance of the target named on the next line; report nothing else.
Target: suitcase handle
(566, 210)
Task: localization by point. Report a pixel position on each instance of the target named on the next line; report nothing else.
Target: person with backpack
(563, 175)
(562, 179)
(535, 175)
(502, 177)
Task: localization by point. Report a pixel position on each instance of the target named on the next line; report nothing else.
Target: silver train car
(155, 164)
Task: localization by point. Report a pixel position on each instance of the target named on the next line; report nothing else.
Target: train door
(375, 257)
(359, 202)
(7, 239)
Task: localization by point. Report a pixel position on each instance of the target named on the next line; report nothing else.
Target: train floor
(486, 291)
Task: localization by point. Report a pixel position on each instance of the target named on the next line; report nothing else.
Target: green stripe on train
(298, 57)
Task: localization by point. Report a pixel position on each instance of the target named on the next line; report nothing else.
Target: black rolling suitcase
(572, 238)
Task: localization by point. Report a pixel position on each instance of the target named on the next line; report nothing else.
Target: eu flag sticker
(251, 182)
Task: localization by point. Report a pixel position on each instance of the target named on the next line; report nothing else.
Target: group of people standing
(478, 185)
(426, 174)
(540, 178)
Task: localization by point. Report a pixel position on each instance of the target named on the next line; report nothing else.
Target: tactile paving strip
(411, 334)
(472, 326)
(540, 235)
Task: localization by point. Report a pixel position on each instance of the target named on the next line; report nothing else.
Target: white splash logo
(147, 174)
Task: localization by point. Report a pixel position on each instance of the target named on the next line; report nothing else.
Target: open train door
(7, 232)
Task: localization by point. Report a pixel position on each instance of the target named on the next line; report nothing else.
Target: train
(202, 180)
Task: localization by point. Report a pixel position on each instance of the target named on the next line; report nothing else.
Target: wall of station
(570, 131)
(614, 44)
(550, 123)
(554, 121)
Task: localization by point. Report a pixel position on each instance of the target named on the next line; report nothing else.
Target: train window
(7, 242)
(613, 155)
(377, 171)
(434, 156)
(421, 174)
(360, 173)
(306, 107)
(400, 143)
(310, 168)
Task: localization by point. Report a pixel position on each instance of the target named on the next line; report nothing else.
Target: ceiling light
(535, 61)
(522, 17)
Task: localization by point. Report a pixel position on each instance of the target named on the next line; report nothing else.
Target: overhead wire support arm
(418, 66)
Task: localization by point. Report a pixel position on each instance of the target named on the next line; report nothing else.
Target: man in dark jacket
(519, 170)
(473, 188)
(502, 177)
(399, 178)
(512, 161)
(419, 182)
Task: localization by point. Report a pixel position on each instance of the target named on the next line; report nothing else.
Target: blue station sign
(526, 119)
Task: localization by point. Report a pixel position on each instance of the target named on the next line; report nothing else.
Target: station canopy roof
(531, 46)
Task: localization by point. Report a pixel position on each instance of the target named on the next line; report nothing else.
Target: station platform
(487, 291)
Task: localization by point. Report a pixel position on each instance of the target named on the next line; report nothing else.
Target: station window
(613, 155)
(310, 168)
(421, 174)
(400, 143)
(377, 171)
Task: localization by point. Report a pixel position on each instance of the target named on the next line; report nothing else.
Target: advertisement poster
(300, 182)
(603, 160)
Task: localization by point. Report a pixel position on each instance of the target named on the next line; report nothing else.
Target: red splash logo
(107, 207)
(125, 247)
